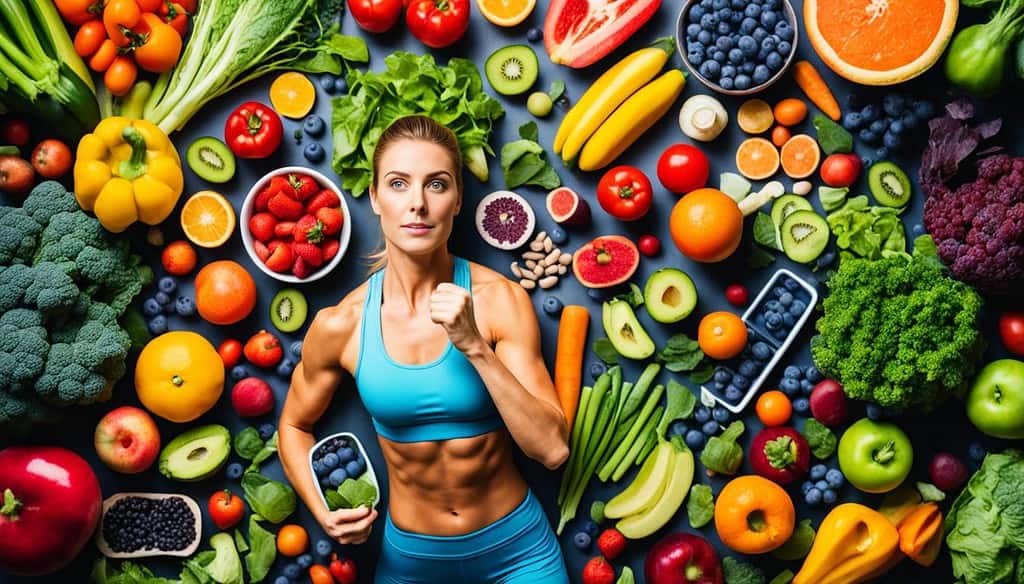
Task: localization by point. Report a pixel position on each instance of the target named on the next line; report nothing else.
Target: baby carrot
(810, 81)
(572, 341)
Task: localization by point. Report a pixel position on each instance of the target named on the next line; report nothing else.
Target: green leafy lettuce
(820, 439)
(737, 572)
(523, 162)
(700, 506)
(681, 353)
(866, 231)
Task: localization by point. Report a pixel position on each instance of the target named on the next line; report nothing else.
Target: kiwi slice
(512, 70)
(785, 205)
(211, 160)
(889, 184)
(288, 310)
(804, 236)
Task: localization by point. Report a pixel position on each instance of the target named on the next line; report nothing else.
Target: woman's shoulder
(492, 286)
(342, 318)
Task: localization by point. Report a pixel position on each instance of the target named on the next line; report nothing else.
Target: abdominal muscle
(452, 487)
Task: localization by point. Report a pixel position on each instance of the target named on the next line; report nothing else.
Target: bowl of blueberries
(737, 47)
(343, 472)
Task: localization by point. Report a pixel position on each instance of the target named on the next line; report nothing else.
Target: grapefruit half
(880, 42)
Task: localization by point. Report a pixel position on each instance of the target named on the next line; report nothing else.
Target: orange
(780, 135)
(179, 376)
(879, 42)
(178, 258)
(320, 574)
(225, 292)
(790, 111)
(757, 159)
(292, 540)
(506, 12)
(755, 116)
(208, 219)
(722, 335)
(292, 94)
(706, 225)
(800, 156)
(774, 408)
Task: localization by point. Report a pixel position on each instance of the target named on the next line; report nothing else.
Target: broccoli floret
(19, 235)
(45, 287)
(23, 349)
(46, 200)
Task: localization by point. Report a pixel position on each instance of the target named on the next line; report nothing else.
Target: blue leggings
(519, 548)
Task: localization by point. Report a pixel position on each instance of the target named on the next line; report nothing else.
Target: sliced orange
(755, 116)
(506, 12)
(292, 94)
(208, 219)
(757, 159)
(800, 156)
(880, 42)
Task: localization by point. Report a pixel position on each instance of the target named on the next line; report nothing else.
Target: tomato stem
(626, 192)
(11, 505)
(253, 124)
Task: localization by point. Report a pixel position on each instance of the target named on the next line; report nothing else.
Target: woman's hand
(451, 306)
(349, 526)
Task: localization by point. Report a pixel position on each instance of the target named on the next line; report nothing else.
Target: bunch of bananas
(654, 496)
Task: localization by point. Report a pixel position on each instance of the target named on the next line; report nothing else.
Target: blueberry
(314, 152)
(738, 5)
(158, 325)
(694, 439)
(801, 405)
(918, 230)
(724, 43)
(185, 306)
(748, 368)
(909, 120)
(720, 414)
(725, 82)
(162, 298)
(774, 305)
(323, 548)
(340, 85)
(234, 471)
(774, 61)
(784, 30)
(821, 485)
(710, 428)
(314, 125)
(769, 19)
(719, 57)
(678, 428)
(787, 320)
(878, 126)
(552, 305)
(798, 307)
(812, 374)
(598, 294)
(266, 431)
(761, 74)
(718, 386)
(591, 528)
(813, 496)
(330, 461)
(285, 367)
(728, 71)
(355, 468)
(891, 141)
(292, 570)
(806, 387)
(759, 34)
(708, 22)
(167, 285)
(741, 381)
(743, 81)
(239, 372)
(705, 37)
(346, 454)
(735, 18)
(748, 25)
(733, 393)
(893, 104)
(695, 57)
(581, 540)
(558, 235)
(327, 83)
(724, 27)
(736, 55)
(710, 69)
(790, 386)
(786, 299)
(761, 351)
(818, 472)
(596, 369)
(923, 109)
(151, 307)
(829, 497)
(692, 30)
(719, 4)
(773, 321)
(874, 412)
(976, 451)
(806, 486)
(784, 47)
(722, 375)
(762, 54)
(304, 561)
(295, 348)
(696, 12)
(702, 414)
(337, 477)
(282, 580)
(748, 45)
(835, 479)
(769, 43)
(867, 136)
(870, 112)
(752, 10)
(882, 153)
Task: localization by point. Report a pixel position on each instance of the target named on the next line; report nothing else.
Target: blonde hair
(419, 128)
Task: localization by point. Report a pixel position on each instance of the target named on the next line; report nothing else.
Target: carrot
(572, 340)
(810, 81)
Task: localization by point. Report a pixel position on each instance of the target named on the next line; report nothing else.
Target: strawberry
(261, 251)
(312, 254)
(263, 349)
(331, 218)
(331, 247)
(280, 257)
(284, 207)
(261, 226)
(598, 571)
(325, 198)
(260, 203)
(307, 228)
(284, 229)
(301, 269)
(611, 542)
(304, 185)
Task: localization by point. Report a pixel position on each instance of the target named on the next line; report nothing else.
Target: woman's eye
(438, 185)
(397, 183)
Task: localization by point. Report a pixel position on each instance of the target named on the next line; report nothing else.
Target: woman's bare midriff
(452, 487)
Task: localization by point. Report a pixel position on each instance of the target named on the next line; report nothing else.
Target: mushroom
(703, 117)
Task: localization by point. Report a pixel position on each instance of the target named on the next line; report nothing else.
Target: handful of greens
(351, 494)
(411, 84)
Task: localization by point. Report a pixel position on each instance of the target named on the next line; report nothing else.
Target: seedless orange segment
(292, 94)
(506, 12)
(800, 156)
(755, 116)
(208, 219)
(757, 158)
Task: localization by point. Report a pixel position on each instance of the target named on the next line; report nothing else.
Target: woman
(446, 356)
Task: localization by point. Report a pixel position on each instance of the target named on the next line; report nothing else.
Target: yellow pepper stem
(135, 166)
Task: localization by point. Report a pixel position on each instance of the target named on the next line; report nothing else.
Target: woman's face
(416, 196)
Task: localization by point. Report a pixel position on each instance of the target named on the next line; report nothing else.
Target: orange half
(292, 94)
(880, 42)
(757, 158)
(800, 156)
(506, 12)
(208, 219)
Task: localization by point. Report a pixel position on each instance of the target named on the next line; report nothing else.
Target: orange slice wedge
(292, 94)
(755, 116)
(757, 158)
(208, 219)
(506, 12)
(800, 156)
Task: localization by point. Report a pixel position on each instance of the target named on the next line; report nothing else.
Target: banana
(631, 120)
(653, 518)
(605, 94)
(647, 487)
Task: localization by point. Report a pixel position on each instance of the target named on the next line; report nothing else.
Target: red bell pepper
(780, 454)
(375, 15)
(625, 193)
(682, 558)
(438, 23)
(253, 130)
(51, 505)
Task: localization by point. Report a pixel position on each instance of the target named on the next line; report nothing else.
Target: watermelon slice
(580, 32)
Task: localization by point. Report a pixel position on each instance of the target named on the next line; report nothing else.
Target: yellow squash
(921, 534)
(127, 171)
(855, 544)
(606, 93)
(631, 120)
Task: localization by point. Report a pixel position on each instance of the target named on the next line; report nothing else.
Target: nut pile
(544, 263)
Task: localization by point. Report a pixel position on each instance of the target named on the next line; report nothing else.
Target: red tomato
(375, 15)
(648, 245)
(737, 295)
(840, 170)
(438, 24)
(343, 570)
(230, 352)
(1011, 328)
(51, 158)
(683, 168)
(226, 509)
(253, 130)
(14, 132)
(625, 193)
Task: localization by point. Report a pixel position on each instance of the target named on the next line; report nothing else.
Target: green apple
(995, 403)
(875, 456)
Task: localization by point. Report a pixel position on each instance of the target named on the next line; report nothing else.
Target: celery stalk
(638, 444)
(634, 431)
(574, 441)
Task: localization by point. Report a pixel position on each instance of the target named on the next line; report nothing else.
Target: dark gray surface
(947, 429)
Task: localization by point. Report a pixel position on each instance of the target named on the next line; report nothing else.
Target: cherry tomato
(343, 570)
(149, 5)
(189, 5)
(737, 295)
(174, 14)
(15, 132)
(226, 509)
(89, 38)
(230, 352)
(79, 11)
(625, 193)
(648, 245)
(120, 76)
(780, 135)
(438, 24)
(320, 575)
(840, 170)
(51, 158)
(292, 540)
(104, 56)
(683, 168)
(1011, 329)
(774, 408)
(162, 46)
(119, 16)
(375, 15)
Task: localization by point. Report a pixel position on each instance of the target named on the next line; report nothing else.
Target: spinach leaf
(700, 507)
(766, 233)
(605, 351)
(722, 454)
(820, 439)
(557, 89)
(271, 499)
(799, 544)
(832, 137)
(702, 375)
(635, 297)
(529, 131)
(357, 493)
(247, 443)
(680, 403)
(759, 258)
(737, 572)
(681, 353)
(268, 450)
(523, 163)
(263, 551)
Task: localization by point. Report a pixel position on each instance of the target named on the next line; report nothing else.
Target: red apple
(127, 440)
(828, 403)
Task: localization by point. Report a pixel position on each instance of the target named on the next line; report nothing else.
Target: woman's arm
(513, 370)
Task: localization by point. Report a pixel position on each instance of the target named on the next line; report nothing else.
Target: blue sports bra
(440, 400)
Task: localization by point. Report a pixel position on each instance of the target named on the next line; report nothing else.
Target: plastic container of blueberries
(757, 331)
(104, 547)
(368, 473)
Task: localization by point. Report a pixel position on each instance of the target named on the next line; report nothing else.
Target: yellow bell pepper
(127, 171)
(855, 543)
(921, 534)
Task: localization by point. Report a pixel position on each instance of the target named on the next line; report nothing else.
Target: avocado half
(669, 295)
(196, 454)
(624, 331)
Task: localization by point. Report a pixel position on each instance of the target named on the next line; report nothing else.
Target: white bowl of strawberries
(295, 224)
